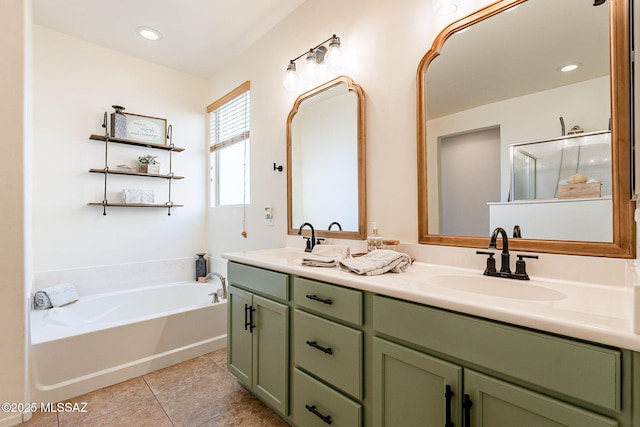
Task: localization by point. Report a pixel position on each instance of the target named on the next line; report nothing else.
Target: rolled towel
(62, 294)
(334, 251)
(313, 260)
(377, 262)
(41, 301)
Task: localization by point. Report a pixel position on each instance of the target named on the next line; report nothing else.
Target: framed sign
(139, 128)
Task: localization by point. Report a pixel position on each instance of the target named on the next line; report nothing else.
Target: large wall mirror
(506, 138)
(326, 160)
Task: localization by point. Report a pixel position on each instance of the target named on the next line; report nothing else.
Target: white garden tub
(108, 338)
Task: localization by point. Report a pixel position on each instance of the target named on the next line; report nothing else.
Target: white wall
(14, 209)
(74, 83)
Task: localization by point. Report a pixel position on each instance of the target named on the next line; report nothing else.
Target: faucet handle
(319, 240)
(490, 270)
(308, 245)
(521, 267)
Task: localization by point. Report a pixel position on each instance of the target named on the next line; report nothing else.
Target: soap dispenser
(374, 240)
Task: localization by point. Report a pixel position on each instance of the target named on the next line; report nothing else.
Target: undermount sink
(505, 288)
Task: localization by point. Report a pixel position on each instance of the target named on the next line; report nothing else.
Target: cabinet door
(496, 403)
(239, 337)
(413, 389)
(271, 352)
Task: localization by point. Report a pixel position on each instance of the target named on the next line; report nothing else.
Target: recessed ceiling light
(149, 33)
(570, 67)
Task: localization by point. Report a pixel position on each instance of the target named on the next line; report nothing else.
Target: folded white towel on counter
(312, 260)
(377, 262)
(58, 295)
(326, 256)
(135, 195)
(333, 251)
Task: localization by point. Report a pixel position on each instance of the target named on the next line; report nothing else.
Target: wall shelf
(150, 175)
(169, 147)
(135, 205)
(107, 171)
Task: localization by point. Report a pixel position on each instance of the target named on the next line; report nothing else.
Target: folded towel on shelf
(312, 260)
(58, 295)
(377, 262)
(41, 301)
(326, 255)
(135, 195)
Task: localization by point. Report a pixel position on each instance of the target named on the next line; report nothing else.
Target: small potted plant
(149, 164)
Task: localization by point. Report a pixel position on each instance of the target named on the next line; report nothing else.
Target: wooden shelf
(137, 143)
(136, 205)
(151, 175)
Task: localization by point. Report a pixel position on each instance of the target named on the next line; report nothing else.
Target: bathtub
(107, 338)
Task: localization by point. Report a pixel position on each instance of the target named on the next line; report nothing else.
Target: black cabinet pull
(248, 318)
(314, 411)
(448, 394)
(466, 407)
(314, 344)
(251, 325)
(322, 300)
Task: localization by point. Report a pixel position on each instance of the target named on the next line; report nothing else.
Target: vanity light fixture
(445, 7)
(331, 57)
(149, 33)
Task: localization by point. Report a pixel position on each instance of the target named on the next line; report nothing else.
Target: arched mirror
(326, 160)
(507, 138)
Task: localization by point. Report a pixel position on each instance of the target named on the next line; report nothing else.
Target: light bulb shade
(445, 7)
(334, 60)
(291, 80)
(312, 69)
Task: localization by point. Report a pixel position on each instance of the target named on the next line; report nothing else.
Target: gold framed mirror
(326, 160)
(510, 40)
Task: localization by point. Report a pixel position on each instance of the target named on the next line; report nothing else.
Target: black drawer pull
(448, 394)
(322, 300)
(314, 344)
(314, 411)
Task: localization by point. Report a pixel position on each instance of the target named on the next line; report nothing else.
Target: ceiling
(198, 36)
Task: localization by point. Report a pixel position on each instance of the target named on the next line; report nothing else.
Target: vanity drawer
(312, 400)
(583, 371)
(329, 300)
(328, 350)
(266, 282)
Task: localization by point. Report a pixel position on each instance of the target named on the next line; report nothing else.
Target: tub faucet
(505, 270)
(311, 241)
(222, 281)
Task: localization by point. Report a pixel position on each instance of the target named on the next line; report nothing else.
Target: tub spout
(222, 281)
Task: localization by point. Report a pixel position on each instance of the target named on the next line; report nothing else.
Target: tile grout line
(155, 396)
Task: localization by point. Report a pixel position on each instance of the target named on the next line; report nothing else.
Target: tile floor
(199, 392)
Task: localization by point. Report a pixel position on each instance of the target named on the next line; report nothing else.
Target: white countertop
(598, 313)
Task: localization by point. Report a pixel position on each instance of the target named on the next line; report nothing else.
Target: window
(229, 147)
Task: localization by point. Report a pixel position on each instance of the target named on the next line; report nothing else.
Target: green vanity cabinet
(258, 335)
(430, 376)
(323, 354)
